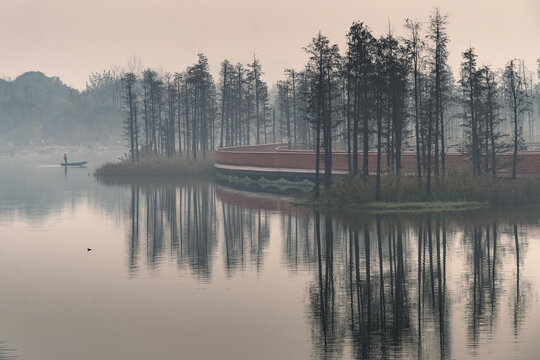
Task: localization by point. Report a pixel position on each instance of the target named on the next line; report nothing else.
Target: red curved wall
(278, 156)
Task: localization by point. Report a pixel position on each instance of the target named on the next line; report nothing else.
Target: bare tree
(415, 45)
(518, 103)
(359, 55)
(291, 74)
(322, 71)
(130, 108)
(470, 85)
(439, 37)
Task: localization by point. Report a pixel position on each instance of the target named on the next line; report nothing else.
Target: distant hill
(35, 108)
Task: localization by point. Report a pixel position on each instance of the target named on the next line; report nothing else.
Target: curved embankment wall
(277, 159)
(275, 168)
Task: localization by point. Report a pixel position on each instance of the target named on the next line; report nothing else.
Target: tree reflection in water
(180, 218)
(6, 352)
(379, 283)
(183, 221)
(246, 236)
(375, 274)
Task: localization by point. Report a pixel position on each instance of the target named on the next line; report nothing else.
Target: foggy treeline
(190, 113)
(37, 109)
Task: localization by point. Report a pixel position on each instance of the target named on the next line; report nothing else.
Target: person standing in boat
(65, 159)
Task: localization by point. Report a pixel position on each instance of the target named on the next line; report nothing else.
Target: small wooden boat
(80, 163)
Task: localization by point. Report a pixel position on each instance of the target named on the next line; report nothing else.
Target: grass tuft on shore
(154, 166)
(458, 188)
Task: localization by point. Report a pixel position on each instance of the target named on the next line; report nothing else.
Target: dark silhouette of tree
(283, 88)
(172, 108)
(323, 74)
(200, 96)
(415, 45)
(225, 69)
(439, 37)
(492, 121)
(380, 84)
(360, 69)
(517, 101)
(130, 109)
(292, 81)
(152, 99)
(178, 80)
(470, 85)
(395, 59)
(254, 78)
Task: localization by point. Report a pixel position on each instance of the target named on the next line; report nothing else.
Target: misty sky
(72, 38)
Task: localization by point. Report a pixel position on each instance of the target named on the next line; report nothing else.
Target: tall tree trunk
(355, 129)
(516, 142)
(379, 149)
(194, 123)
(131, 121)
(492, 132)
(136, 131)
(328, 135)
(257, 103)
(223, 104)
(430, 127)
(348, 113)
(179, 119)
(416, 113)
(443, 150)
(365, 130)
(294, 106)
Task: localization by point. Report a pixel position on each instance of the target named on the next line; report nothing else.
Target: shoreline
(394, 207)
(158, 167)
(455, 192)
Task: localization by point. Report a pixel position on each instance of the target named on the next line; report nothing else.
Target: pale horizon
(72, 39)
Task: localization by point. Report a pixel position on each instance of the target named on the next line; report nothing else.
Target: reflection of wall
(253, 200)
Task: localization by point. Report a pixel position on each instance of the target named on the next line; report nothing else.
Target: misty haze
(269, 180)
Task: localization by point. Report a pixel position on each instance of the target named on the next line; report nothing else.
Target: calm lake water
(193, 270)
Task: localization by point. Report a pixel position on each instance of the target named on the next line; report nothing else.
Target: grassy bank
(455, 191)
(154, 166)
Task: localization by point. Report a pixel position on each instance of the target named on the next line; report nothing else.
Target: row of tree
(189, 113)
(384, 93)
(392, 94)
